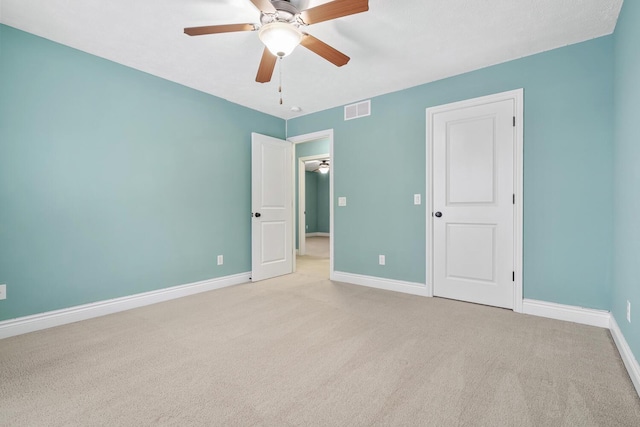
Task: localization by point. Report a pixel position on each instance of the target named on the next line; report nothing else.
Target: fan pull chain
(280, 83)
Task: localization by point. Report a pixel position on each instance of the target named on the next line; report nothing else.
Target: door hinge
(514, 199)
(514, 121)
(513, 276)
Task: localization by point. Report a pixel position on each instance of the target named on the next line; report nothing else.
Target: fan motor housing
(286, 12)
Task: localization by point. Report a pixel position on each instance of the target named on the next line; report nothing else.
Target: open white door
(271, 207)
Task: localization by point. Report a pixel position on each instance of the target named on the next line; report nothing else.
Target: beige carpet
(300, 350)
(317, 247)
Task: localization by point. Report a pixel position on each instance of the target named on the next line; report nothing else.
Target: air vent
(355, 111)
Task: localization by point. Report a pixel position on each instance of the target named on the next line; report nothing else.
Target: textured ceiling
(395, 45)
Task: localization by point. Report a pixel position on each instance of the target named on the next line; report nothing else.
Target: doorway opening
(313, 205)
(313, 202)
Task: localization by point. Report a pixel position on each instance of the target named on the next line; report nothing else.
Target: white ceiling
(312, 165)
(395, 45)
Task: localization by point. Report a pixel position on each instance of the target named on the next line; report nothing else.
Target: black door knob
(258, 214)
(438, 214)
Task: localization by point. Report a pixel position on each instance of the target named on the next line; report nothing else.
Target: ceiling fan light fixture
(324, 167)
(280, 38)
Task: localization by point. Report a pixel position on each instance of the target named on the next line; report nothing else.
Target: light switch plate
(417, 199)
(342, 201)
(381, 259)
(3, 292)
(220, 260)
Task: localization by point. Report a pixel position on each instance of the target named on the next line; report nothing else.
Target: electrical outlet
(3, 292)
(381, 259)
(417, 199)
(220, 260)
(628, 311)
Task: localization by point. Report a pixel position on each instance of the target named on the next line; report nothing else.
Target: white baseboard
(36, 322)
(318, 234)
(381, 283)
(570, 313)
(626, 354)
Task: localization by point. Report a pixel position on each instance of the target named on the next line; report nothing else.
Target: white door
(473, 203)
(271, 207)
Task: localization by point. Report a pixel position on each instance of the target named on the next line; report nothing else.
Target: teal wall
(626, 283)
(311, 201)
(568, 160)
(317, 202)
(112, 181)
(306, 149)
(324, 199)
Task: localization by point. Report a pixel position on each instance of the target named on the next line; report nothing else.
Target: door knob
(258, 214)
(438, 214)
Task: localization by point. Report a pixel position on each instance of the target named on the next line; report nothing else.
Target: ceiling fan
(280, 30)
(323, 167)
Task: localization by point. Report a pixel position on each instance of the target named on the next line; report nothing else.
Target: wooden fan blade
(264, 6)
(267, 64)
(327, 52)
(215, 29)
(333, 10)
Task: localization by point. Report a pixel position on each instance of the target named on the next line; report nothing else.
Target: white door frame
(302, 198)
(518, 97)
(299, 139)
